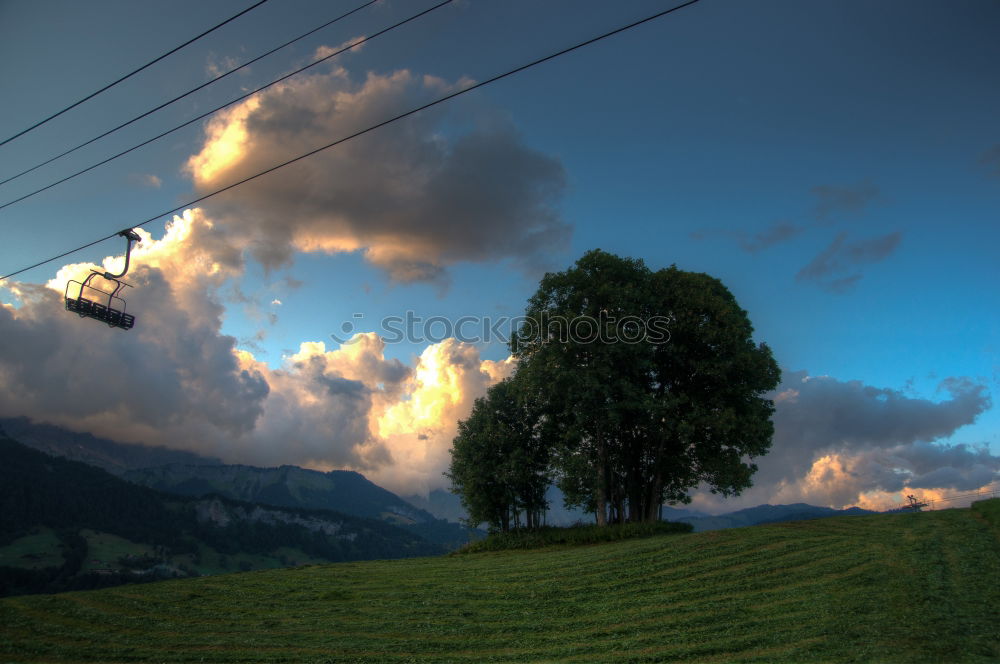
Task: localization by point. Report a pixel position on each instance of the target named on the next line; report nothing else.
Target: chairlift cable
(189, 92)
(132, 73)
(371, 128)
(227, 104)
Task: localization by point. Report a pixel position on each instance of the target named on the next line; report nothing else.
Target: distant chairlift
(99, 304)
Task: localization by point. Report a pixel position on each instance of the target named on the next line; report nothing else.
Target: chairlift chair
(100, 304)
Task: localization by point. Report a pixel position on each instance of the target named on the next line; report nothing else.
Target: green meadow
(885, 588)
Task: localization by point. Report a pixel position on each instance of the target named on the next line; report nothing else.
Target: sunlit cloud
(147, 180)
(842, 443)
(177, 380)
(412, 198)
(226, 141)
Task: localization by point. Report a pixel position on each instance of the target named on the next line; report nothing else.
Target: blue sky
(856, 136)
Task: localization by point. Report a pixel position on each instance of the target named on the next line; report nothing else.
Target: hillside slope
(897, 588)
(189, 474)
(764, 514)
(343, 491)
(68, 525)
(285, 486)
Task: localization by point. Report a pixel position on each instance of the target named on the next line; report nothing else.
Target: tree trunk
(601, 497)
(636, 498)
(654, 511)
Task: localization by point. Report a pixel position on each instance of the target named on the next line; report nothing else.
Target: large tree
(648, 384)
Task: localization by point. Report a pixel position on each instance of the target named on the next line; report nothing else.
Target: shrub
(537, 538)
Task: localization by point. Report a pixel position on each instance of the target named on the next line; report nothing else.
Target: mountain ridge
(87, 448)
(433, 517)
(64, 512)
(190, 474)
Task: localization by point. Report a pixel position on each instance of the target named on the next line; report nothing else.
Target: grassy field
(35, 551)
(887, 588)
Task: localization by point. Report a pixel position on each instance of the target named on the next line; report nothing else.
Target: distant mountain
(290, 486)
(190, 474)
(285, 486)
(753, 516)
(441, 503)
(435, 517)
(111, 456)
(66, 525)
(446, 505)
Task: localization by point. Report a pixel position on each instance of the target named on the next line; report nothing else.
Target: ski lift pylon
(100, 304)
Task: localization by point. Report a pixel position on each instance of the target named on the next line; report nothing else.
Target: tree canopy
(499, 463)
(643, 386)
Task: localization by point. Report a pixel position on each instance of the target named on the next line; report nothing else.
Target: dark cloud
(839, 442)
(841, 256)
(919, 465)
(833, 201)
(990, 160)
(823, 414)
(413, 197)
(776, 234)
(836, 440)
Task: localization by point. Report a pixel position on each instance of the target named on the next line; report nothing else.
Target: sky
(835, 164)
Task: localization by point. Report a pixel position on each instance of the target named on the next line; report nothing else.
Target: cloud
(418, 431)
(176, 380)
(355, 44)
(833, 201)
(146, 180)
(174, 372)
(779, 232)
(412, 197)
(216, 65)
(841, 443)
(990, 160)
(840, 257)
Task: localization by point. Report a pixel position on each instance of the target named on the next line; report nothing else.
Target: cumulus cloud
(841, 256)
(411, 196)
(418, 431)
(174, 370)
(177, 380)
(841, 443)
